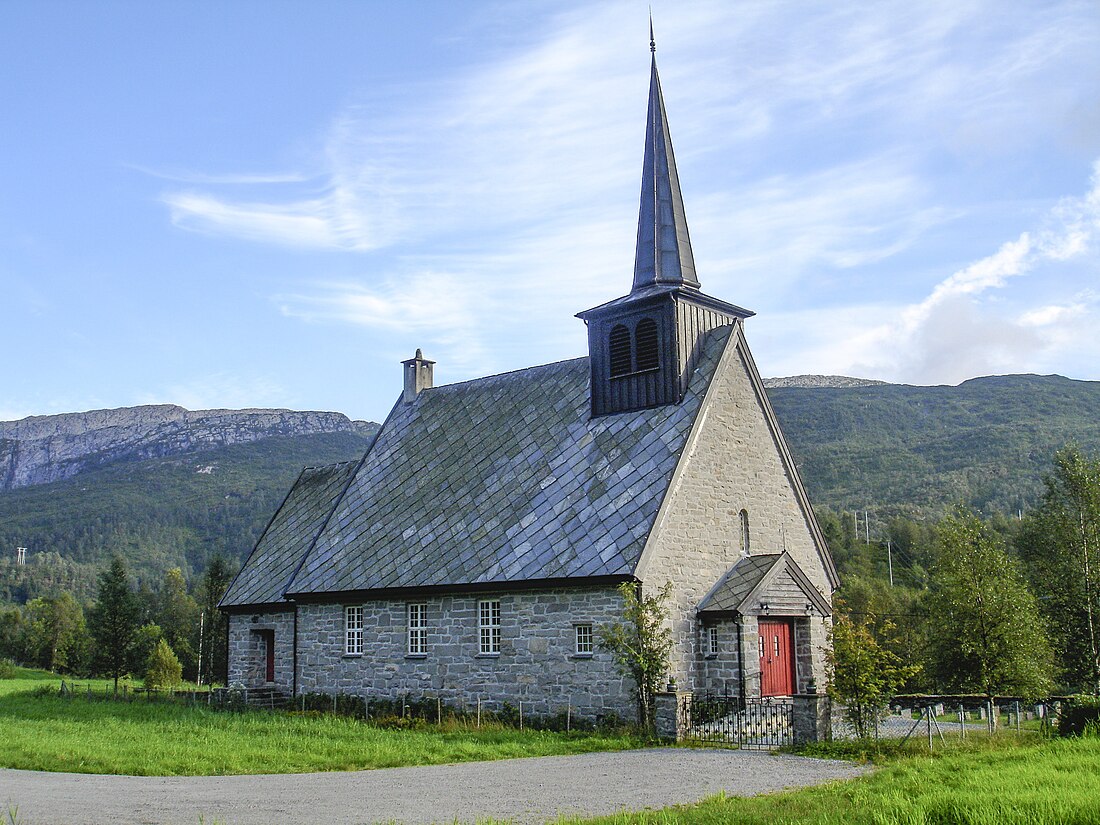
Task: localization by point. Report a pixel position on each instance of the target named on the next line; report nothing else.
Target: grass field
(1006, 781)
(163, 738)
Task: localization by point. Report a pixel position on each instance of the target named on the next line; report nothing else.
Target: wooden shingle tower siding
(644, 345)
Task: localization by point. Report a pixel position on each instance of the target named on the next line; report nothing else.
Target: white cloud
(219, 390)
(972, 323)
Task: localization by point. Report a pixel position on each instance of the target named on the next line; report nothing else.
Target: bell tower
(643, 346)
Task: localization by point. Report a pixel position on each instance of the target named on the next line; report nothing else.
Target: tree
(641, 643)
(177, 614)
(163, 670)
(1060, 543)
(113, 620)
(863, 674)
(215, 582)
(55, 632)
(985, 631)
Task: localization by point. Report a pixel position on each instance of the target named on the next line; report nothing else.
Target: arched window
(744, 532)
(619, 346)
(647, 355)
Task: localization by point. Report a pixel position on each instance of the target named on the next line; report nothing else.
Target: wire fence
(936, 717)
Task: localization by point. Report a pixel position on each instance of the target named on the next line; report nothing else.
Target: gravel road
(520, 790)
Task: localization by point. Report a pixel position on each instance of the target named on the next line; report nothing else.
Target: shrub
(1080, 716)
(7, 669)
(164, 669)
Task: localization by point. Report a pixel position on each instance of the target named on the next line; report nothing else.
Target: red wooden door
(776, 658)
(269, 652)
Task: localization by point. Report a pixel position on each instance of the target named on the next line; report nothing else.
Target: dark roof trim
(469, 587)
(266, 607)
(651, 296)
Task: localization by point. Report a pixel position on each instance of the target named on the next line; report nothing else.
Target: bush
(1080, 716)
(7, 669)
(164, 669)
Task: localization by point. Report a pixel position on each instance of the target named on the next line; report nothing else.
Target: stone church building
(478, 546)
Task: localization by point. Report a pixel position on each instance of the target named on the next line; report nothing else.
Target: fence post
(811, 718)
(672, 714)
(479, 711)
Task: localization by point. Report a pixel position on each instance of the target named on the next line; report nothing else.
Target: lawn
(1007, 781)
(165, 738)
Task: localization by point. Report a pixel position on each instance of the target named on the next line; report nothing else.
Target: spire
(663, 255)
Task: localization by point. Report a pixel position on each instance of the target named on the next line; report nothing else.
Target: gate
(732, 721)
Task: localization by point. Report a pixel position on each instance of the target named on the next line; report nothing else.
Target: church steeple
(663, 255)
(643, 346)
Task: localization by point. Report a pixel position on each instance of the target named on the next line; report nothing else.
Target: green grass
(163, 738)
(1003, 781)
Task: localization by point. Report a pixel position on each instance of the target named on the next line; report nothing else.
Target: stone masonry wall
(719, 673)
(247, 649)
(537, 663)
(733, 463)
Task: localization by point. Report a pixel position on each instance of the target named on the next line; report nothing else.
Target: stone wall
(719, 673)
(537, 663)
(248, 651)
(732, 462)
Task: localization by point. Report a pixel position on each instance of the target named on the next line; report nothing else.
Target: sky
(272, 204)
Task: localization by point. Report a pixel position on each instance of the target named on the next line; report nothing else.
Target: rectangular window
(353, 630)
(488, 623)
(418, 629)
(584, 639)
(712, 640)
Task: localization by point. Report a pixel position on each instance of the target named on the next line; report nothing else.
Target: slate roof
(729, 594)
(754, 575)
(502, 480)
(294, 528)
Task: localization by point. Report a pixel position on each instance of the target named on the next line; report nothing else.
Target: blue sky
(271, 204)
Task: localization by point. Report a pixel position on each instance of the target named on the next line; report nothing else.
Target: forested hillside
(158, 513)
(917, 451)
(892, 450)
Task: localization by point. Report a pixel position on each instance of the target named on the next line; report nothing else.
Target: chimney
(418, 376)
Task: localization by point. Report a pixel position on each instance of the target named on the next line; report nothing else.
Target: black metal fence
(734, 721)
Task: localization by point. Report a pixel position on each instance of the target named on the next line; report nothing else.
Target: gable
(505, 479)
(293, 528)
(771, 584)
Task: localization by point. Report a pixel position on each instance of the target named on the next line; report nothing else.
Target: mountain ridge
(48, 448)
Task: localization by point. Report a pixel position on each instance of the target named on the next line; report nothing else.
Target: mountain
(163, 486)
(46, 448)
(167, 487)
(899, 449)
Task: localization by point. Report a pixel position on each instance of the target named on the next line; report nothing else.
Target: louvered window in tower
(619, 346)
(647, 355)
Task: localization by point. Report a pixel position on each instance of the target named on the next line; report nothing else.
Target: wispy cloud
(973, 323)
(515, 179)
(219, 390)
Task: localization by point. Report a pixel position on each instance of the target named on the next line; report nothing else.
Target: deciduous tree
(985, 631)
(641, 643)
(863, 674)
(1060, 543)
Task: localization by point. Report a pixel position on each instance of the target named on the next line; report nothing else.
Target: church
(476, 549)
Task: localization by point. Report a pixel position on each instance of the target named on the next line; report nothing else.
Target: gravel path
(521, 790)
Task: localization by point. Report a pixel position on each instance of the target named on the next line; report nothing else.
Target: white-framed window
(712, 640)
(353, 630)
(488, 625)
(585, 640)
(418, 629)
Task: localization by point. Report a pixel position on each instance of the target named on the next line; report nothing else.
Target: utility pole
(890, 560)
(198, 678)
